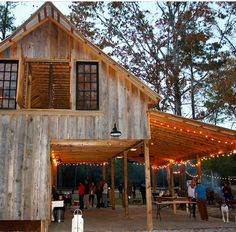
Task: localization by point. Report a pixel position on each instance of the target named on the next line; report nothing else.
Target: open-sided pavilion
(174, 139)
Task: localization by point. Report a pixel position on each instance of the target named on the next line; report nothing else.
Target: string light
(84, 164)
(177, 172)
(190, 164)
(192, 176)
(218, 177)
(206, 136)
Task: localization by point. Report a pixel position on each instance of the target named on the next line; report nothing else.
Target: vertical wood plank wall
(25, 136)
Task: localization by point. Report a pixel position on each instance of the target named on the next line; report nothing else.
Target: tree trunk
(192, 94)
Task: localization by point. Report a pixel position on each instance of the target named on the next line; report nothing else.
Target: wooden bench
(23, 225)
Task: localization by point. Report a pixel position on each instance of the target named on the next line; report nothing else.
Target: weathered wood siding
(25, 135)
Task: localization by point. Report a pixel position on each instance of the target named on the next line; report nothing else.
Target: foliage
(172, 46)
(222, 166)
(6, 19)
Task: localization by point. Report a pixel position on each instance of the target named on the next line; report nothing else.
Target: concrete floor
(106, 219)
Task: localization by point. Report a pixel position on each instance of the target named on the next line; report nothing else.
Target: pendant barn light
(115, 132)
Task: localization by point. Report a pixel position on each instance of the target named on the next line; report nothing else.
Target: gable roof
(49, 12)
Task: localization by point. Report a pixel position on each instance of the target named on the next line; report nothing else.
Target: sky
(25, 8)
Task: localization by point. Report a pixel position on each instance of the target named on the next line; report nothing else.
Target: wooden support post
(105, 171)
(199, 167)
(148, 186)
(113, 183)
(126, 184)
(171, 187)
(154, 179)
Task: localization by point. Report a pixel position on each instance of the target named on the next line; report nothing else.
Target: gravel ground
(108, 220)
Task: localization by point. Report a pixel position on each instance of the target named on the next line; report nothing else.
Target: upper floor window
(87, 97)
(8, 84)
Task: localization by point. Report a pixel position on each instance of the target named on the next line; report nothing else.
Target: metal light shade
(115, 132)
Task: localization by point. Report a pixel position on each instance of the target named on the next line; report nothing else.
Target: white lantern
(77, 221)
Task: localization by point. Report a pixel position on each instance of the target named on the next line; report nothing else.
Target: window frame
(78, 91)
(10, 84)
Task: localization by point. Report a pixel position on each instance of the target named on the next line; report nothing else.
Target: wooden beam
(113, 183)
(171, 187)
(125, 163)
(148, 186)
(28, 87)
(199, 167)
(154, 179)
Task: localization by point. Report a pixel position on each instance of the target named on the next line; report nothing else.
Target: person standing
(99, 190)
(86, 194)
(134, 191)
(143, 192)
(104, 193)
(200, 192)
(227, 192)
(192, 197)
(81, 195)
(92, 190)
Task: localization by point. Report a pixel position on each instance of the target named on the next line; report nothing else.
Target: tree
(6, 19)
(220, 93)
(170, 47)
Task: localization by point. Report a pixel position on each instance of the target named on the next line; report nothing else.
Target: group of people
(87, 193)
(198, 195)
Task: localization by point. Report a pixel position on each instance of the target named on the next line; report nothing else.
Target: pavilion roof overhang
(89, 151)
(175, 139)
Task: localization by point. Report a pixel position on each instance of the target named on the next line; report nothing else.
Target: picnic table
(162, 202)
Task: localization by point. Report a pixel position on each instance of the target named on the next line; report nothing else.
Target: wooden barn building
(60, 97)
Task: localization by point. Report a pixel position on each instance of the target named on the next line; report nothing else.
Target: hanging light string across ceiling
(196, 132)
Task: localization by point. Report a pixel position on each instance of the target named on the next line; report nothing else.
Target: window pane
(5, 103)
(94, 105)
(94, 86)
(12, 104)
(6, 93)
(81, 69)
(80, 105)
(93, 96)
(93, 77)
(81, 78)
(81, 95)
(12, 93)
(81, 87)
(87, 104)
(87, 78)
(87, 95)
(7, 76)
(2, 65)
(87, 86)
(93, 68)
(13, 76)
(14, 67)
(87, 68)
(8, 67)
(8, 84)
(13, 85)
